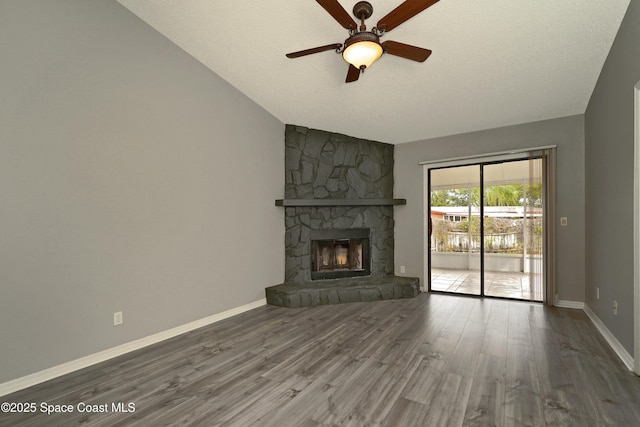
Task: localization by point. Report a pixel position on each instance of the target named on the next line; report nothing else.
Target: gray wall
(567, 133)
(609, 170)
(131, 178)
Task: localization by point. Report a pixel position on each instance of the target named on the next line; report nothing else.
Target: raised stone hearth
(339, 291)
(336, 185)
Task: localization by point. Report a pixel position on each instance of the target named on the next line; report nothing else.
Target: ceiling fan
(362, 48)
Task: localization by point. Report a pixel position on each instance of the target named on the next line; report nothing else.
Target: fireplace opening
(340, 253)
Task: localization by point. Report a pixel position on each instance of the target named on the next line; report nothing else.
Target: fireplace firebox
(339, 253)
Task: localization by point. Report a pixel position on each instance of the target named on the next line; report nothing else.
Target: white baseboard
(622, 353)
(569, 304)
(66, 368)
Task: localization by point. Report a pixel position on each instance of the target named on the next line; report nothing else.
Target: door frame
(636, 230)
(495, 157)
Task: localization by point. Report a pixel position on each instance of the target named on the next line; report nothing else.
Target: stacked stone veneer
(323, 165)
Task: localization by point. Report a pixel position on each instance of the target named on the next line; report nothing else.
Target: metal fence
(445, 238)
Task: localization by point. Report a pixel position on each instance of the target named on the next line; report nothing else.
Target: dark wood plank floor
(436, 360)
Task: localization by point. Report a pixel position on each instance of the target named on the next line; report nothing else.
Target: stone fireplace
(338, 213)
(333, 182)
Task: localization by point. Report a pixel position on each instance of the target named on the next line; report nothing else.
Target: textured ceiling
(494, 62)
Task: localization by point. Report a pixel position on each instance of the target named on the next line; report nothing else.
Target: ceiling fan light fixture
(362, 50)
(363, 47)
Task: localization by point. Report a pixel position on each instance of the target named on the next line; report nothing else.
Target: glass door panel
(513, 229)
(454, 230)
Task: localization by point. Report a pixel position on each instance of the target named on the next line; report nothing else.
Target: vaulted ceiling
(494, 63)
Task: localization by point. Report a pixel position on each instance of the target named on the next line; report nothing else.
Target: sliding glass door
(487, 229)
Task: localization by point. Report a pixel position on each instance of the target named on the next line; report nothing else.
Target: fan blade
(300, 53)
(339, 14)
(352, 74)
(403, 12)
(407, 51)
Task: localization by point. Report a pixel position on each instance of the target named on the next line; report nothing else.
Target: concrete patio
(497, 283)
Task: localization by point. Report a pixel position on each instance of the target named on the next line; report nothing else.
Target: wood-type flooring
(435, 360)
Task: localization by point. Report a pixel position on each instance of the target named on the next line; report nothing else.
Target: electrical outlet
(117, 318)
(597, 293)
(615, 307)
(563, 221)
(402, 269)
